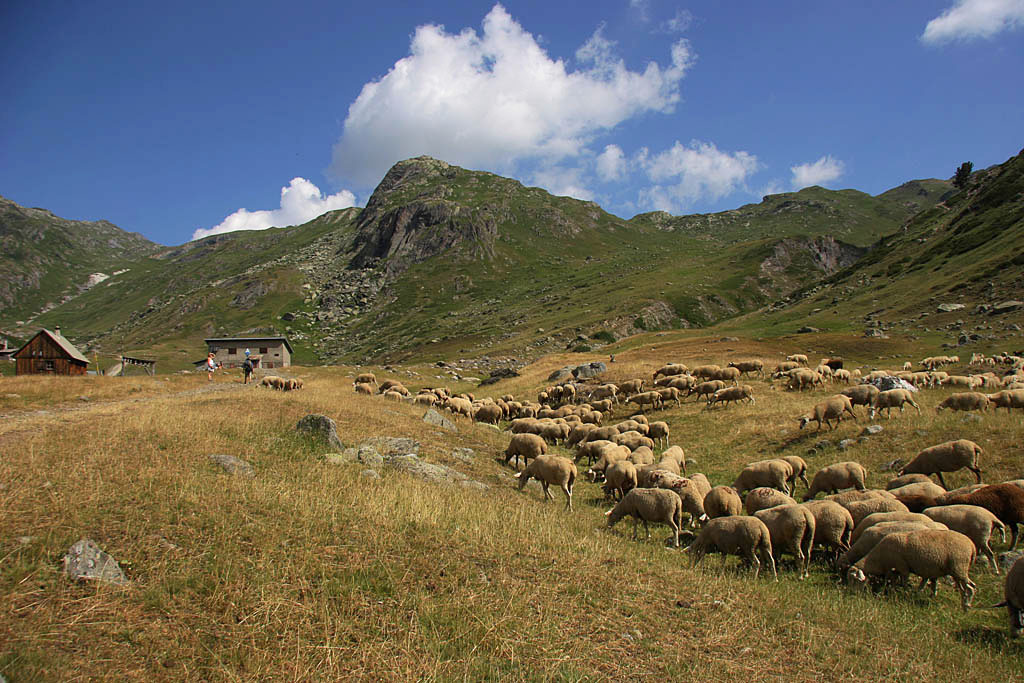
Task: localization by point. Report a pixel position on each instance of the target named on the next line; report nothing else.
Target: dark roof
(249, 341)
(66, 346)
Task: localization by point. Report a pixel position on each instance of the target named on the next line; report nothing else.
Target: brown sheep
(946, 457)
(722, 501)
(966, 400)
(527, 446)
(831, 408)
(551, 469)
(1005, 501)
(833, 478)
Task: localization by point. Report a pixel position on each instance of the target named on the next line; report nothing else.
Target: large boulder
(321, 427)
(589, 370)
(432, 417)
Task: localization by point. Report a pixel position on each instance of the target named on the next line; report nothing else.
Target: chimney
(57, 330)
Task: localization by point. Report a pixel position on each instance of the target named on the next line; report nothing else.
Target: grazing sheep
(647, 398)
(620, 479)
(551, 469)
(740, 535)
(976, 523)
(965, 400)
(882, 517)
(705, 371)
(528, 446)
(361, 387)
(608, 455)
(862, 508)
(659, 431)
(387, 385)
(1013, 593)
(861, 545)
(670, 394)
(1007, 399)
(701, 483)
(962, 491)
(962, 381)
(919, 488)
(763, 498)
(749, 366)
(729, 374)
(831, 408)
(633, 386)
(843, 376)
(642, 456)
(392, 395)
(770, 473)
(632, 426)
(929, 553)
(670, 370)
(366, 378)
(554, 432)
(722, 501)
(797, 358)
(833, 525)
(425, 399)
(946, 457)
(799, 466)
(682, 382)
(894, 398)
(705, 389)
(834, 478)
(1005, 501)
(803, 378)
(633, 440)
(578, 433)
(861, 395)
(460, 406)
(649, 505)
(783, 368)
(688, 492)
(791, 528)
(854, 495)
(730, 394)
(906, 479)
(488, 413)
(675, 454)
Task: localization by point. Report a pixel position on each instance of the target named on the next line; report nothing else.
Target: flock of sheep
(914, 526)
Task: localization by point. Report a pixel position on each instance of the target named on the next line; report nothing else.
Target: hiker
(247, 368)
(210, 367)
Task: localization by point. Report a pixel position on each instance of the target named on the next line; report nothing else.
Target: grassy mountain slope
(968, 249)
(45, 259)
(445, 260)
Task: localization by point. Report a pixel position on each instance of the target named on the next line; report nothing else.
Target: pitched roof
(58, 339)
(249, 341)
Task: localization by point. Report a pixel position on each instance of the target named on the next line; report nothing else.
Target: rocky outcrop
(824, 253)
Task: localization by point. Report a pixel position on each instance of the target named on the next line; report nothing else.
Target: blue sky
(178, 120)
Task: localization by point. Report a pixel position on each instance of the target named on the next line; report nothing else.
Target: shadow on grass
(995, 639)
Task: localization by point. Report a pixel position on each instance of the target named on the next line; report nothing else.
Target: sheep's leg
(1013, 535)
(986, 550)
(568, 496)
(977, 472)
(647, 529)
(547, 492)
(636, 523)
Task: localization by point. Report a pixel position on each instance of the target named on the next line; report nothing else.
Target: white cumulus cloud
(301, 201)
(684, 174)
(824, 170)
(496, 99)
(968, 19)
(611, 164)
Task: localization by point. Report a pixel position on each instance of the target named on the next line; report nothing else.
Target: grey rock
(887, 383)
(1008, 558)
(435, 418)
(429, 471)
(949, 308)
(892, 465)
(846, 443)
(464, 454)
(560, 375)
(971, 417)
(369, 456)
(370, 474)
(807, 329)
(589, 370)
(321, 427)
(822, 445)
(392, 445)
(85, 560)
(233, 465)
(871, 430)
(1006, 307)
(345, 458)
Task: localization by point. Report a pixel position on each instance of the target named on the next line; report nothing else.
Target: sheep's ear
(607, 514)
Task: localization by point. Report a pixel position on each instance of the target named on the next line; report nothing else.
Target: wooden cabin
(49, 353)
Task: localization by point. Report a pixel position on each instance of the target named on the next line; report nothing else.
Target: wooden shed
(49, 353)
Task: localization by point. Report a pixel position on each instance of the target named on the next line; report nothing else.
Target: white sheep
(1007, 399)
(770, 473)
(551, 469)
(862, 508)
(974, 522)
(894, 398)
(863, 544)
(831, 408)
(928, 553)
(527, 446)
(722, 501)
(649, 505)
(965, 400)
(763, 498)
(620, 479)
(745, 536)
(833, 478)
(946, 457)
(833, 525)
(792, 529)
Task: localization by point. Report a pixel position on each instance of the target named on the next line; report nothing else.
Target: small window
(49, 366)
(276, 355)
(232, 350)
(263, 349)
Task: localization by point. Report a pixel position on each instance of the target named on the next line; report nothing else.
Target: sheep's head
(856, 577)
(803, 420)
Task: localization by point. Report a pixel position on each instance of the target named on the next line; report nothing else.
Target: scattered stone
(971, 417)
(392, 445)
(84, 399)
(589, 370)
(822, 445)
(345, 458)
(876, 333)
(233, 465)
(1008, 558)
(807, 329)
(25, 540)
(871, 430)
(369, 474)
(1007, 307)
(560, 375)
(949, 308)
(322, 427)
(435, 418)
(85, 560)
(369, 456)
(892, 465)
(464, 454)
(498, 375)
(429, 471)
(846, 443)
(887, 383)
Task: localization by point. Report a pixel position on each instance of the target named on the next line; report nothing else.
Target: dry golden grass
(311, 571)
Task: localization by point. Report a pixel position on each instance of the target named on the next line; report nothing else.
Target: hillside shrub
(603, 336)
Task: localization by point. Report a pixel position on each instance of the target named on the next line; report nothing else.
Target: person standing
(247, 368)
(210, 367)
